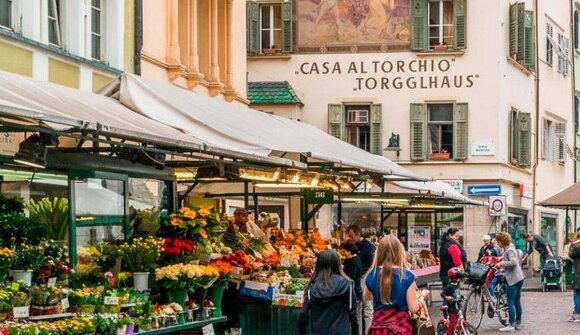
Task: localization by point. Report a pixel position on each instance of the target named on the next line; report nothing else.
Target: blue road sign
(484, 190)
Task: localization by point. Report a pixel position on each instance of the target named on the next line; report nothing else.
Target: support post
(256, 207)
(246, 198)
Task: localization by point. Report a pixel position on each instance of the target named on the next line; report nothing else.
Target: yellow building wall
(16, 60)
(63, 73)
(99, 81)
(129, 38)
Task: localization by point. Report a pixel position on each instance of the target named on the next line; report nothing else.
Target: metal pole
(246, 199)
(256, 208)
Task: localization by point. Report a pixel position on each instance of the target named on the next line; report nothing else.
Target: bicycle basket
(476, 272)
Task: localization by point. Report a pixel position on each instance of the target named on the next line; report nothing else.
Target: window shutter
(287, 27)
(549, 43)
(560, 143)
(252, 27)
(419, 25)
(545, 138)
(513, 30)
(418, 132)
(566, 49)
(521, 52)
(336, 120)
(460, 146)
(460, 12)
(529, 41)
(514, 136)
(525, 139)
(375, 125)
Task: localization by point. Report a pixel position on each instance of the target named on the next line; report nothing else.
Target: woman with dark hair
(451, 255)
(353, 269)
(329, 300)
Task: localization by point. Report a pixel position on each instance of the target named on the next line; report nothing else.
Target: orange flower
(176, 222)
(203, 223)
(203, 234)
(204, 212)
(217, 218)
(190, 214)
(184, 210)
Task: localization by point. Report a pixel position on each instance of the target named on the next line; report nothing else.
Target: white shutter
(560, 52)
(549, 43)
(560, 142)
(566, 55)
(545, 138)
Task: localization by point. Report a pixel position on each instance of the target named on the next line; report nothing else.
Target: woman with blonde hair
(391, 287)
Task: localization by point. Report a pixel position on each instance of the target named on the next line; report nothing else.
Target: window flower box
(269, 51)
(440, 47)
(439, 156)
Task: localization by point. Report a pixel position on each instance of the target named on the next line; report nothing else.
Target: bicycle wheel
(474, 307)
(468, 329)
(501, 307)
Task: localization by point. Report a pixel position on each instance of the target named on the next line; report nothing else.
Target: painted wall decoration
(352, 25)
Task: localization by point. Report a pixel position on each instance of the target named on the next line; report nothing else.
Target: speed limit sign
(497, 205)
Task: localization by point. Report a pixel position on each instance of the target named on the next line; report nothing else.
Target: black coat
(574, 254)
(353, 269)
(329, 310)
(487, 250)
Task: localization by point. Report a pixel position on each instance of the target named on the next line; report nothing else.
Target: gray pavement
(543, 312)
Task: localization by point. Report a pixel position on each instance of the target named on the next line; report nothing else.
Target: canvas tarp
(228, 125)
(569, 197)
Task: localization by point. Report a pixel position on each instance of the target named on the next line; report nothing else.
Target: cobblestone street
(543, 313)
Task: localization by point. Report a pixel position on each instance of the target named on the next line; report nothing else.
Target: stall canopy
(65, 109)
(568, 198)
(228, 125)
(438, 188)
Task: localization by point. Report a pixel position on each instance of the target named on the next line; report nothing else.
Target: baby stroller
(553, 274)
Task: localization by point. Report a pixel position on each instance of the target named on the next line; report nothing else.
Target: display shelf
(50, 317)
(188, 325)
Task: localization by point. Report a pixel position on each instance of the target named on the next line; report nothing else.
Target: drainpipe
(537, 103)
(138, 36)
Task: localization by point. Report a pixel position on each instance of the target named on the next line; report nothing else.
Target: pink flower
(108, 274)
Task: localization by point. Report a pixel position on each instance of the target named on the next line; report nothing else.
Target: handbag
(476, 272)
(422, 324)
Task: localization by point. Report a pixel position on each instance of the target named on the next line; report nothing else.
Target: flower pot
(269, 51)
(179, 295)
(181, 318)
(130, 329)
(216, 294)
(439, 155)
(24, 275)
(141, 281)
(122, 330)
(88, 309)
(199, 296)
(440, 47)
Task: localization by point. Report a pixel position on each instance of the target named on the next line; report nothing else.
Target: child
(452, 295)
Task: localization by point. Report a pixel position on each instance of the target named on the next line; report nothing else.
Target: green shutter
(287, 24)
(521, 53)
(529, 41)
(514, 137)
(460, 12)
(524, 129)
(418, 132)
(460, 138)
(419, 25)
(513, 30)
(252, 27)
(336, 120)
(375, 125)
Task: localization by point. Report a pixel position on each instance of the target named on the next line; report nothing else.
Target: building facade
(488, 109)
(80, 44)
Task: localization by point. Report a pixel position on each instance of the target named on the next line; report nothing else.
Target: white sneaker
(507, 329)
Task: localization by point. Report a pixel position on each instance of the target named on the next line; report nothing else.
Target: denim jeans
(577, 301)
(543, 258)
(445, 281)
(514, 301)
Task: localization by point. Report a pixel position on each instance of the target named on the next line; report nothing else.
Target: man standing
(538, 243)
(366, 254)
(487, 248)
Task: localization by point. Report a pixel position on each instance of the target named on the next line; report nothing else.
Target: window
(549, 45)
(563, 51)
(271, 23)
(576, 113)
(438, 24)
(5, 13)
(54, 22)
(521, 35)
(269, 27)
(554, 141)
(439, 131)
(359, 125)
(96, 28)
(520, 138)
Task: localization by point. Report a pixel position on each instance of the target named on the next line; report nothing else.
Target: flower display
(86, 296)
(197, 224)
(185, 275)
(75, 326)
(28, 257)
(142, 254)
(177, 246)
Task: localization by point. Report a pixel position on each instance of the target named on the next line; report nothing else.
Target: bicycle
(480, 296)
(463, 327)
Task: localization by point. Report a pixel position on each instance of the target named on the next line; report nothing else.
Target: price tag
(15, 286)
(21, 312)
(65, 304)
(208, 329)
(258, 255)
(238, 272)
(204, 259)
(111, 300)
(51, 282)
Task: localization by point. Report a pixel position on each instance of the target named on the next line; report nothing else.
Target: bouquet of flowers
(142, 254)
(28, 257)
(75, 326)
(86, 297)
(19, 291)
(6, 258)
(197, 224)
(185, 275)
(225, 270)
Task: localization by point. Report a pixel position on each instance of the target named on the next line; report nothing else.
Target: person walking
(392, 289)
(574, 254)
(487, 248)
(538, 243)
(366, 254)
(352, 267)
(451, 255)
(514, 276)
(329, 300)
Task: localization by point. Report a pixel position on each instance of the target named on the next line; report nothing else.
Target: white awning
(437, 188)
(233, 126)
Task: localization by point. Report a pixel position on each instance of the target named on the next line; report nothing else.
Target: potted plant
(440, 155)
(216, 292)
(5, 304)
(269, 51)
(45, 300)
(440, 47)
(141, 257)
(52, 215)
(6, 258)
(27, 259)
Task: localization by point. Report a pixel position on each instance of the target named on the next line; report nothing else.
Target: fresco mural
(355, 25)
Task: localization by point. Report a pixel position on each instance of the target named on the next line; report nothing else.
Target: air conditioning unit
(358, 116)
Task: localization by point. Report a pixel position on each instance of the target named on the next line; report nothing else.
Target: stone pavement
(543, 312)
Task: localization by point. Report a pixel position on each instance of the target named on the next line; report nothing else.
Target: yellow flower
(184, 210)
(190, 214)
(203, 223)
(217, 217)
(204, 212)
(203, 234)
(176, 222)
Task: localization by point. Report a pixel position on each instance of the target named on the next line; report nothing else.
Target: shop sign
(8, 144)
(497, 205)
(456, 184)
(526, 191)
(319, 197)
(419, 238)
(483, 148)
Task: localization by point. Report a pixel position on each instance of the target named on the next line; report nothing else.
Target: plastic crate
(257, 290)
